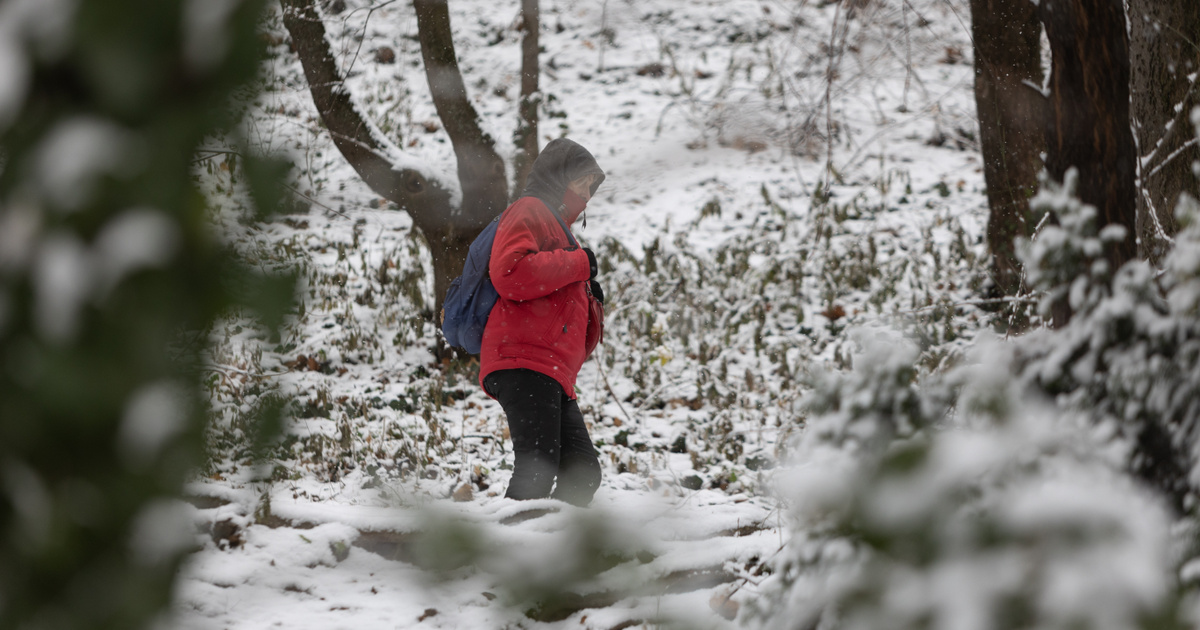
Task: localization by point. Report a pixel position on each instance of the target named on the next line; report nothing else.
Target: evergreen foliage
(1032, 485)
(109, 276)
(1132, 360)
(996, 511)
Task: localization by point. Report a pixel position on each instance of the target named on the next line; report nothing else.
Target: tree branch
(351, 133)
(526, 136)
(447, 233)
(480, 169)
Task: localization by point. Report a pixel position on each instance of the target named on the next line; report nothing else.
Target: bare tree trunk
(1007, 38)
(448, 231)
(480, 169)
(526, 136)
(1088, 118)
(1164, 52)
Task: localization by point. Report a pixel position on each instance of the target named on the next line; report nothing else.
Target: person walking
(539, 334)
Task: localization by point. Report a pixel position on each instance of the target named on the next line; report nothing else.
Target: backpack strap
(574, 243)
(570, 237)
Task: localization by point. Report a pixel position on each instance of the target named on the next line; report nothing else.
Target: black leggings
(549, 438)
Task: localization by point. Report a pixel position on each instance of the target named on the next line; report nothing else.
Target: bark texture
(1089, 129)
(526, 136)
(1088, 114)
(1007, 36)
(1164, 51)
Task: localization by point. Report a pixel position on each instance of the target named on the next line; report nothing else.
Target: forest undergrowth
(706, 353)
(710, 344)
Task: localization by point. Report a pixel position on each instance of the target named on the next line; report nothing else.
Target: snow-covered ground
(340, 566)
(753, 213)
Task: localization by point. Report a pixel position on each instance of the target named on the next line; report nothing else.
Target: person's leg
(579, 466)
(533, 404)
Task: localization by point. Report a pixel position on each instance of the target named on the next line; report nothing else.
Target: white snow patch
(31, 499)
(160, 531)
(19, 228)
(1078, 578)
(14, 78)
(44, 24)
(155, 413)
(205, 22)
(76, 152)
(62, 282)
(136, 239)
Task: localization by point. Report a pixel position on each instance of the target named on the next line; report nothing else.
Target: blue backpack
(471, 296)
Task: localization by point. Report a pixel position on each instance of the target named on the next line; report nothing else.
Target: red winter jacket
(542, 314)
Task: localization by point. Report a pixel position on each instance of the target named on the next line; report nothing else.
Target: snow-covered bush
(1130, 356)
(1042, 497)
(1008, 515)
(1066, 261)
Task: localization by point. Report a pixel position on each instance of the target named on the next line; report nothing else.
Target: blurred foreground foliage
(109, 276)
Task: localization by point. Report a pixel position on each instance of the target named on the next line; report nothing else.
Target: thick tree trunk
(1088, 114)
(480, 169)
(1007, 38)
(526, 136)
(1164, 53)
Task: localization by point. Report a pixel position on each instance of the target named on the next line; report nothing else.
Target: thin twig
(213, 153)
(1005, 300)
(833, 62)
(370, 11)
(782, 545)
(908, 70)
(603, 35)
(225, 368)
(1022, 290)
(1160, 232)
(600, 366)
(1042, 223)
(1187, 145)
(315, 202)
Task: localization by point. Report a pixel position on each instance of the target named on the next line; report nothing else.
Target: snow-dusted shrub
(1131, 353)
(717, 339)
(731, 333)
(1016, 508)
(1007, 515)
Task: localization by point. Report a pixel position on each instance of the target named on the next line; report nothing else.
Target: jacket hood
(559, 163)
